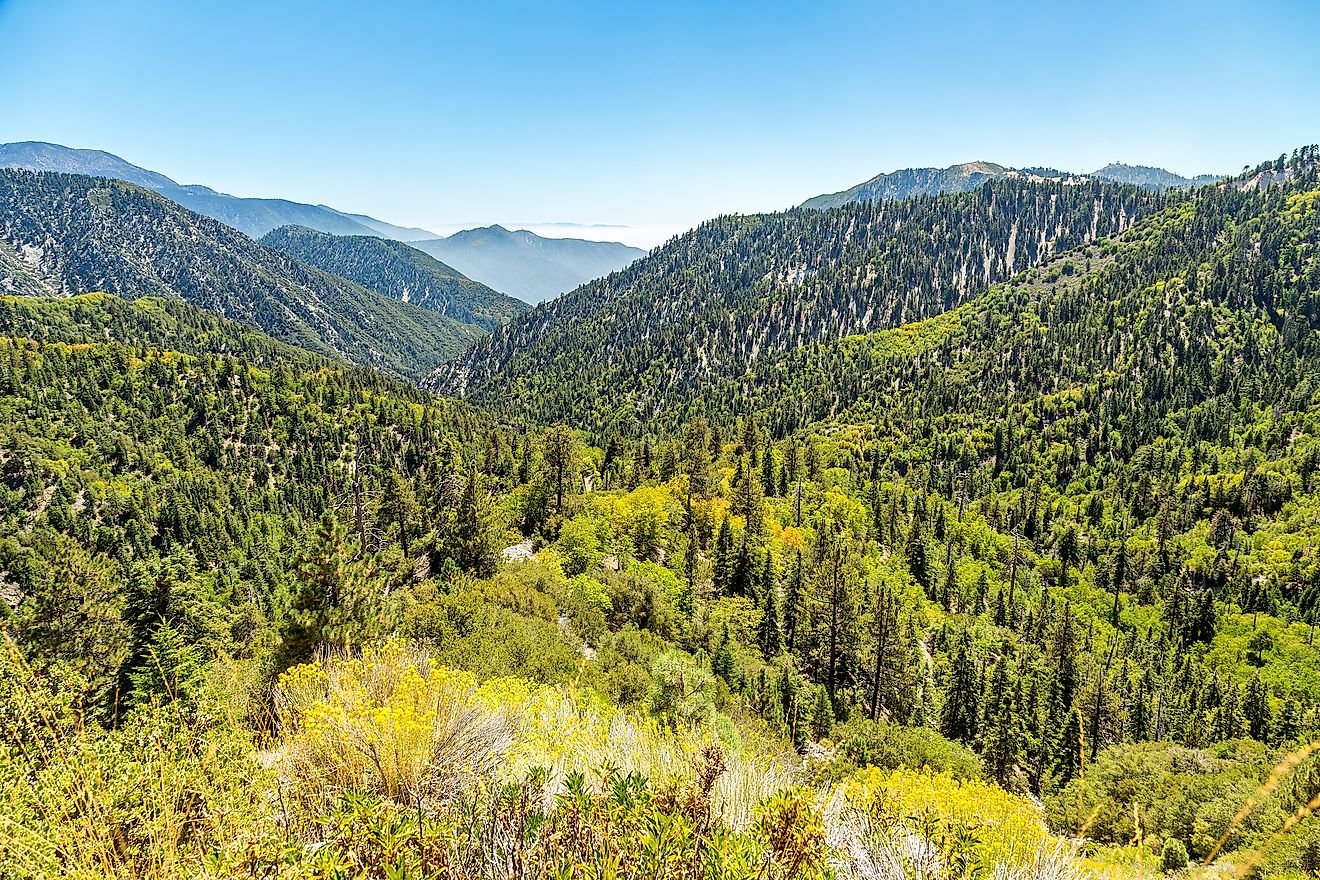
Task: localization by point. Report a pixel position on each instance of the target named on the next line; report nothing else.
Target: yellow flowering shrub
(389, 721)
(1003, 828)
(393, 722)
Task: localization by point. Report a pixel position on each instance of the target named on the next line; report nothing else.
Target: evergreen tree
(1063, 661)
(793, 602)
(723, 573)
(696, 456)
(723, 663)
(1005, 735)
(748, 499)
(959, 719)
(1067, 757)
(472, 541)
(560, 453)
(172, 670)
(742, 581)
(769, 637)
(917, 560)
(1256, 709)
(822, 715)
(340, 597)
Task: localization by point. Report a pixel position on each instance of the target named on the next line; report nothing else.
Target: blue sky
(652, 115)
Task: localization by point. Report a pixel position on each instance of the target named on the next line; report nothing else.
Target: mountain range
(65, 234)
(638, 347)
(521, 264)
(909, 182)
(531, 267)
(398, 271)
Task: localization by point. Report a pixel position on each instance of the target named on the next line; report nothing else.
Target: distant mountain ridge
(66, 234)
(522, 264)
(526, 265)
(252, 217)
(1150, 177)
(401, 272)
(909, 182)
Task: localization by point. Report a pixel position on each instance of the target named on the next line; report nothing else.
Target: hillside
(73, 234)
(400, 272)
(736, 291)
(1089, 318)
(528, 266)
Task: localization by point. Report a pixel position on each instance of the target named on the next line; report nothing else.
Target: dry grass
(394, 722)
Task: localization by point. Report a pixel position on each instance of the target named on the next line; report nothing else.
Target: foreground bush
(393, 722)
(158, 797)
(915, 823)
(389, 765)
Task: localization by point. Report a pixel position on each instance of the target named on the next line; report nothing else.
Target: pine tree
(790, 689)
(768, 480)
(723, 565)
(917, 559)
(1256, 709)
(1289, 728)
(560, 452)
(1005, 735)
(723, 663)
(884, 626)
(742, 580)
(696, 456)
(769, 636)
(1118, 576)
(793, 602)
(399, 513)
(748, 498)
(961, 697)
(472, 544)
(1067, 758)
(949, 593)
(1066, 552)
(1063, 660)
(822, 715)
(172, 670)
(340, 596)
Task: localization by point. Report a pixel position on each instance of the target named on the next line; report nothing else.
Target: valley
(961, 524)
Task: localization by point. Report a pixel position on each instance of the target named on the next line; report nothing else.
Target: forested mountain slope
(1145, 175)
(1222, 285)
(400, 272)
(908, 182)
(716, 302)
(79, 234)
(162, 455)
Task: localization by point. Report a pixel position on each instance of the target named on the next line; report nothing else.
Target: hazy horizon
(645, 120)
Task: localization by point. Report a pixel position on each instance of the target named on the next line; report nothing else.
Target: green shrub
(865, 743)
(1174, 855)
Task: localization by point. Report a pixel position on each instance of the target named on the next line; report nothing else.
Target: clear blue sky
(647, 114)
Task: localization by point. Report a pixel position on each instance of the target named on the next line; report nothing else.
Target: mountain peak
(1149, 176)
(907, 182)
